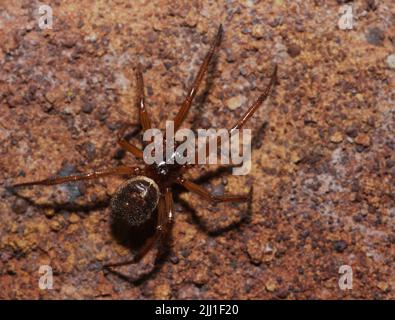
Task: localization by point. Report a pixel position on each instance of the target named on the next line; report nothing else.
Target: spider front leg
(251, 110)
(122, 170)
(140, 101)
(144, 118)
(181, 115)
(193, 187)
(165, 216)
(246, 116)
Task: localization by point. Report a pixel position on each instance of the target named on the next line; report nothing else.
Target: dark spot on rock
(174, 259)
(375, 36)
(389, 163)
(167, 65)
(204, 123)
(185, 253)
(150, 92)
(293, 50)
(340, 245)
(358, 217)
(218, 190)
(72, 188)
(299, 27)
(87, 107)
(103, 113)
(81, 187)
(95, 266)
(68, 43)
(246, 30)
(21, 173)
(275, 22)
(304, 234)
(119, 154)
(360, 148)
(351, 131)
(371, 5)
(19, 206)
(90, 150)
(282, 293)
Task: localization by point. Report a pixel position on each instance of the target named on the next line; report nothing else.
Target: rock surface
(323, 171)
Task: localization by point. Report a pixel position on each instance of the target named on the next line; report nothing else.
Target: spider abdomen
(135, 200)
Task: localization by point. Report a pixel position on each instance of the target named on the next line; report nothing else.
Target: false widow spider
(149, 188)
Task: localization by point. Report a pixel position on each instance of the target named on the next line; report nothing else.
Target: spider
(150, 188)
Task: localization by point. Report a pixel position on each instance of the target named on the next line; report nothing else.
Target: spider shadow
(201, 99)
(130, 237)
(244, 219)
(82, 209)
(134, 238)
(133, 133)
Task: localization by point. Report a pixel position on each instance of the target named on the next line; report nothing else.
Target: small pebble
(162, 292)
(258, 31)
(351, 131)
(235, 102)
(363, 140)
(55, 225)
(391, 61)
(337, 137)
(293, 50)
(19, 206)
(49, 213)
(383, 286)
(295, 157)
(270, 285)
(74, 218)
(87, 107)
(255, 251)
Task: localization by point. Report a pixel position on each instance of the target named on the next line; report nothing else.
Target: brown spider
(150, 188)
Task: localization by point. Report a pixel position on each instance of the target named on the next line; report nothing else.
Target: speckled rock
(322, 164)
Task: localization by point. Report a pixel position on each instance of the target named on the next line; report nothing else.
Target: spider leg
(161, 228)
(240, 123)
(144, 118)
(165, 214)
(251, 110)
(86, 176)
(193, 187)
(126, 145)
(186, 105)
